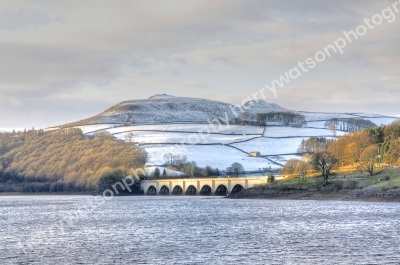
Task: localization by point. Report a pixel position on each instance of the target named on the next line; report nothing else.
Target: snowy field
(316, 124)
(268, 146)
(95, 127)
(148, 137)
(215, 156)
(192, 128)
(277, 132)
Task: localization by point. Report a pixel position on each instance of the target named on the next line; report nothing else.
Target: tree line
(180, 163)
(262, 119)
(362, 150)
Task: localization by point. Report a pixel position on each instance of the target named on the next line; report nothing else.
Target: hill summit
(163, 108)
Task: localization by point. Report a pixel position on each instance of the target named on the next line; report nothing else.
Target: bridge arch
(164, 190)
(191, 190)
(152, 190)
(237, 188)
(177, 190)
(206, 190)
(221, 190)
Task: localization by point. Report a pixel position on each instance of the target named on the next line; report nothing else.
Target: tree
(302, 147)
(129, 137)
(271, 178)
(157, 172)
(207, 171)
(295, 167)
(392, 131)
(332, 128)
(290, 167)
(108, 179)
(164, 173)
(175, 160)
(302, 168)
(376, 134)
(393, 152)
(180, 160)
(235, 169)
(324, 162)
(351, 153)
(368, 159)
(169, 159)
(103, 133)
(314, 144)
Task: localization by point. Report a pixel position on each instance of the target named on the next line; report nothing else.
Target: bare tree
(324, 162)
(332, 127)
(175, 160)
(129, 137)
(236, 169)
(295, 167)
(169, 159)
(368, 159)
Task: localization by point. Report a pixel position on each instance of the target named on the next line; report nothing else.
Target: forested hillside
(63, 160)
(363, 150)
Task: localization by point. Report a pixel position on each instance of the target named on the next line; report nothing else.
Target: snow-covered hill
(169, 109)
(166, 124)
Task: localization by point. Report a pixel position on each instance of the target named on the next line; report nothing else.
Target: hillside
(63, 160)
(166, 124)
(160, 109)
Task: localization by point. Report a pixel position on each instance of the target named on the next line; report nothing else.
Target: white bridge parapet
(199, 186)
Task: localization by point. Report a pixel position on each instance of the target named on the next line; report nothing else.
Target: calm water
(195, 230)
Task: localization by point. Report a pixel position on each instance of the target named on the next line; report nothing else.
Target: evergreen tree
(157, 172)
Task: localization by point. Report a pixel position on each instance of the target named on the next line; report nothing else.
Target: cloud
(38, 67)
(67, 60)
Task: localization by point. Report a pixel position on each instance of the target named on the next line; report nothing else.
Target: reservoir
(196, 230)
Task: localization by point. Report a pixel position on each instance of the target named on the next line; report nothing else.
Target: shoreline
(256, 194)
(342, 195)
(4, 194)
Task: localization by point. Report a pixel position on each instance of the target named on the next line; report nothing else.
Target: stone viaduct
(199, 186)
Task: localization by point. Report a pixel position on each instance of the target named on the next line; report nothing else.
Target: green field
(384, 179)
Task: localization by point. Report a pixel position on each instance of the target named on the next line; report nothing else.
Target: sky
(63, 61)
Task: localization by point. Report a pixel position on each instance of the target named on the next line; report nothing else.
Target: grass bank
(343, 185)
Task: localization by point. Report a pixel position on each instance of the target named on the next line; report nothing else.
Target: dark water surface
(196, 230)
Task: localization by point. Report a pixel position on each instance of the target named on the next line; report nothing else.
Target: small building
(255, 154)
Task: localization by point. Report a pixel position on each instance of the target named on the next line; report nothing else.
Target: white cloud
(65, 58)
